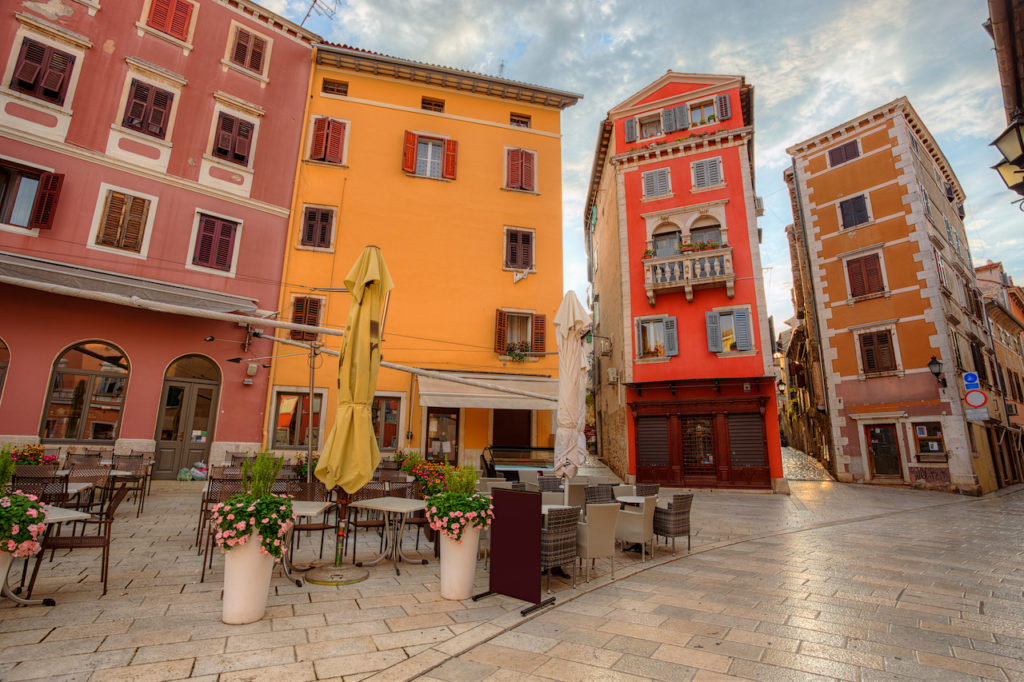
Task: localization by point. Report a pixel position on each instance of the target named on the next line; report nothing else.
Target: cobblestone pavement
(834, 581)
(796, 466)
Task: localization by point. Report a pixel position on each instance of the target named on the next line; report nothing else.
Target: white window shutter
(639, 339)
(722, 107)
(714, 332)
(663, 183)
(650, 188)
(700, 174)
(742, 331)
(714, 171)
(671, 337)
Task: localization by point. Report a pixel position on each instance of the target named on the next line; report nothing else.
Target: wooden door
(184, 426)
(884, 450)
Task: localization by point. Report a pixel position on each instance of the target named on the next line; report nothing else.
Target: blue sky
(813, 65)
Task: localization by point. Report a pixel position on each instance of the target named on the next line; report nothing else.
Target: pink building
(147, 157)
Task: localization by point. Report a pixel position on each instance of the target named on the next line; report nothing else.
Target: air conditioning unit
(1011, 409)
(613, 375)
(759, 206)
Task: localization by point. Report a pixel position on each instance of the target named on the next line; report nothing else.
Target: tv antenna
(322, 8)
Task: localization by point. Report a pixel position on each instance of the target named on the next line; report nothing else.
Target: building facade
(146, 160)
(882, 213)
(456, 176)
(685, 392)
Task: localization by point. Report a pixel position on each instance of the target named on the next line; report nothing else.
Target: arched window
(665, 240)
(706, 230)
(86, 397)
(194, 367)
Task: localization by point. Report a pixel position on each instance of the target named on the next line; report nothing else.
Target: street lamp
(935, 367)
(1010, 144)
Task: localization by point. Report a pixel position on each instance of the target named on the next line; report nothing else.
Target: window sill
(653, 361)
(324, 164)
(143, 29)
(19, 229)
(263, 80)
(314, 249)
(711, 188)
(117, 251)
(531, 271)
(142, 137)
(933, 458)
(227, 165)
(427, 177)
(517, 190)
(657, 197)
(737, 354)
(874, 375)
(35, 102)
(528, 358)
(867, 297)
(851, 228)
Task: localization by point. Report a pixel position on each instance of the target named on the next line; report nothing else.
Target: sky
(813, 64)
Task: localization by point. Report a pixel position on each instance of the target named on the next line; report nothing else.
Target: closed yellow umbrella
(350, 454)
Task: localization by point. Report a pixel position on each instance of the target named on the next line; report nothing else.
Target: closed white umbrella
(570, 442)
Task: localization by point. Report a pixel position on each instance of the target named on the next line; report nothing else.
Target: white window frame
(19, 229)
(226, 63)
(504, 169)
(691, 106)
(647, 118)
(431, 142)
(886, 291)
(867, 205)
(508, 326)
(401, 416)
(97, 220)
(654, 174)
(533, 251)
(888, 325)
(302, 224)
(693, 174)
(308, 157)
(185, 45)
(321, 393)
(239, 226)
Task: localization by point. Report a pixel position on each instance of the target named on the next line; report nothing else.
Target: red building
(147, 158)
(685, 393)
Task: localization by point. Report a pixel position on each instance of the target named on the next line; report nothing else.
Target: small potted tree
(251, 527)
(459, 513)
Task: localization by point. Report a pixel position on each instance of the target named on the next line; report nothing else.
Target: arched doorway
(188, 411)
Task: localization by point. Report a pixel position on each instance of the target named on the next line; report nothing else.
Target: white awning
(439, 393)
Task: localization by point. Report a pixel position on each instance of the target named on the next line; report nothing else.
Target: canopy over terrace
(489, 391)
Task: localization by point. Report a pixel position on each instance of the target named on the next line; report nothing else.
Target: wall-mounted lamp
(935, 367)
(1010, 144)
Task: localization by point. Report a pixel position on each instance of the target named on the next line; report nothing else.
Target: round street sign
(975, 398)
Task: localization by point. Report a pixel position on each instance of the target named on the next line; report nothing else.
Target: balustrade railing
(688, 271)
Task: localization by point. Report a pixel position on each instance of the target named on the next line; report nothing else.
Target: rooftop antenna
(323, 8)
(501, 69)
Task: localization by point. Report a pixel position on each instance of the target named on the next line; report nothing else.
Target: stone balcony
(689, 271)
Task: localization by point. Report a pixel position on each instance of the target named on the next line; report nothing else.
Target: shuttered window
(333, 87)
(723, 107)
(305, 310)
(215, 243)
(707, 172)
(248, 51)
(519, 249)
(429, 157)
(979, 362)
(656, 183)
(675, 118)
(148, 109)
(629, 130)
(843, 153)
(123, 223)
(171, 17)
(520, 170)
(746, 441)
(328, 142)
(317, 224)
(42, 71)
(729, 331)
(854, 211)
(865, 275)
(233, 139)
(509, 329)
(28, 197)
(657, 337)
(652, 441)
(876, 352)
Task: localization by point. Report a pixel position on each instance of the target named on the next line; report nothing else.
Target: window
(675, 119)
(333, 87)
(233, 139)
(711, 233)
(292, 420)
(328, 140)
(656, 183)
(429, 157)
(865, 275)
(876, 352)
(171, 17)
(42, 71)
(123, 222)
(665, 241)
(28, 197)
(729, 331)
(707, 172)
(927, 201)
(215, 243)
(702, 114)
(929, 438)
(979, 362)
(519, 332)
(519, 249)
(650, 126)
(843, 153)
(955, 343)
(854, 211)
(317, 224)
(913, 144)
(656, 338)
(86, 394)
(148, 110)
(386, 412)
(430, 104)
(519, 120)
(248, 51)
(520, 169)
(305, 310)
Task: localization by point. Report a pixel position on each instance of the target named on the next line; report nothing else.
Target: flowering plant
(21, 516)
(301, 465)
(458, 507)
(236, 518)
(518, 350)
(32, 454)
(432, 476)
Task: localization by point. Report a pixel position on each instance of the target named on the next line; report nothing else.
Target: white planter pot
(246, 582)
(5, 564)
(458, 564)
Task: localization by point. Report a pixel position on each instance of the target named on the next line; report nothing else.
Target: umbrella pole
(312, 387)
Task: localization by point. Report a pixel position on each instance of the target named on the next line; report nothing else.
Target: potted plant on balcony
(648, 253)
(251, 527)
(21, 519)
(517, 351)
(459, 513)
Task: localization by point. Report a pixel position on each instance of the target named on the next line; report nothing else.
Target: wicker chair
(647, 489)
(371, 490)
(315, 491)
(549, 484)
(595, 537)
(558, 541)
(599, 494)
(674, 521)
(104, 521)
(82, 460)
(637, 526)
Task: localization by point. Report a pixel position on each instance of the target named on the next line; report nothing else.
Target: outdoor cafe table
(53, 515)
(633, 500)
(303, 508)
(398, 507)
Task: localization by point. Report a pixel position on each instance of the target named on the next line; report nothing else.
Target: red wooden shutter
(55, 76)
(855, 268)
(225, 135)
(525, 250)
(45, 205)
(30, 63)
(243, 140)
(873, 274)
(181, 16)
(409, 153)
(135, 112)
(224, 246)
(159, 15)
(451, 150)
(539, 333)
(259, 46)
(528, 159)
(160, 112)
(335, 142)
(885, 359)
(241, 49)
(868, 352)
(514, 168)
(309, 227)
(204, 240)
(113, 217)
(500, 331)
(299, 316)
(319, 148)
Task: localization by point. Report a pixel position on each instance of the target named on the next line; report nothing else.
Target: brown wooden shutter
(225, 135)
(335, 142)
(409, 153)
(527, 171)
(306, 311)
(539, 334)
(500, 331)
(30, 63)
(160, 112)
(259, 47)
(511, 248)
(134, 224)
(868, 352)
(113, 217)
(181, 17)
(319, 148)
(45, 205)
(224, 245)
(323, 235)
(525, 250)
(873, 274)
(55, 78)
(138, 99)
(855, 269)
(299, 316)
(886, 358)
(514, 169)
(204, 240)
(451, 151)
(309, 227)
(241, 49)
(243, 140)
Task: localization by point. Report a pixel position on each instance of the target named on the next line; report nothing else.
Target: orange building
(456, 176)
(881, 211)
